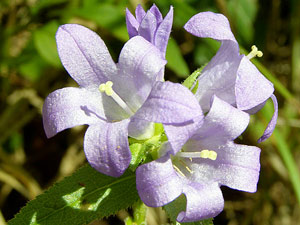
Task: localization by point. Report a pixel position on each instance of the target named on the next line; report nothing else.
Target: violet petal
(203, 202)
(69, 107)
(84, 55)
(157, 182)
(222, 123)
(178, 134)
(236, 166)
(148, 26)
(132, 24)
(163, 32)
(169, 103)
(210, 25)
(219, 76)
(139, 13)
(155, 11)
(271, 126)
(106, 147)
(140, 129)
(139, 64)
(248, 81)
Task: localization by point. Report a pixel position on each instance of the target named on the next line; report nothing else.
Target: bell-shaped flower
(229, 75)
(209, 159)
(115, 100)
(151, 26)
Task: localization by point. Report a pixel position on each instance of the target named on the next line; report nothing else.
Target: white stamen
(107, 88)
(205, 154)
(178, 170)
(254, 53)
(185, 166)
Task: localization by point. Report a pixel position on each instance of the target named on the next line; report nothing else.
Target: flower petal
(139, 13)
(157, 182)
(236, 166)
(106, 147)
(148, 26)
(222, 123)
(179, 134)
(203, 202)
(155, 11)
(248, 81)
(84, 55)
(163, 32)
(210, 25)
(139, 64)
(271, 126)
(140, 129)
(132, 24)
(69, 107)
(219, 76)
(169, 103)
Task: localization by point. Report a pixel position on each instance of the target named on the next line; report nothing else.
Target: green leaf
(44, 41)
(179, 205)
(243, 13)
(107, 16)
(33, 69)
(175, 60)
(79, 199)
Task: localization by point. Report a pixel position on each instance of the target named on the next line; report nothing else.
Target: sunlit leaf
(175, 60)
(79, 199)
(44, 41)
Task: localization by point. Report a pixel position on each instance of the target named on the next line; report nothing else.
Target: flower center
(254, 53)
(180, 165)
(107, 88)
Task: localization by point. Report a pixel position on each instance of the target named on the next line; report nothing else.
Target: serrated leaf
(175, 60)
(79, 199)
(179, 205)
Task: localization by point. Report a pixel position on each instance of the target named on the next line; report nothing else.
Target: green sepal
(191, 82)
(79, 199)
(143, 151)
(178, 205)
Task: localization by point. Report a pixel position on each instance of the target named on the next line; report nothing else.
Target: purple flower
(229, 75)
(208, 160)
(115, 100)
(150, 26)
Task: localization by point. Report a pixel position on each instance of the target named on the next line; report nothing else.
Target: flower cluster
(126, 99)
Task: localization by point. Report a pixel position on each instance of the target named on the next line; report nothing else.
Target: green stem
(139, 212)
(289, 161)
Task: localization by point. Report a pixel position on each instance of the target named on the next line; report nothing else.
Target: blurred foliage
(30, 69)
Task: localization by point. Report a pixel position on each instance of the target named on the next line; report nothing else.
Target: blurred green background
(30, 69)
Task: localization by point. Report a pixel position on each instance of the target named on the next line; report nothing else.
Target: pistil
(107, 88)
(254, 53)
(205, 154)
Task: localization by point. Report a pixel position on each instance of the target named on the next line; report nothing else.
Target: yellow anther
(254, 52)
(208, 154)
(107, 88)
